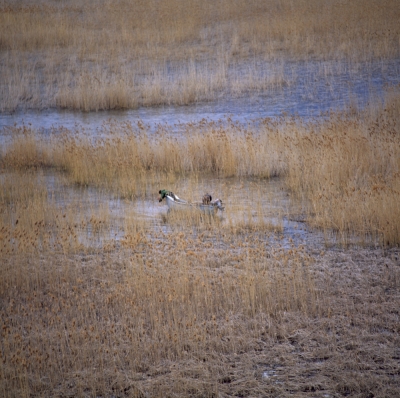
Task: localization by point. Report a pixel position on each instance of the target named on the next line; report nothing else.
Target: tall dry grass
(188, 314)
(197, 307)
(345, 168)
(127, 154)
(125, 54)
(82, 319)
(91, 324)
(38, 216)
(349, 171)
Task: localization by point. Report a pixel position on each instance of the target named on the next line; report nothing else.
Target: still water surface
(310, 90)
(263, 205)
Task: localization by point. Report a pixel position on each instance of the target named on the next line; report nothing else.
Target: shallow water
(249, 203)
(309, 89)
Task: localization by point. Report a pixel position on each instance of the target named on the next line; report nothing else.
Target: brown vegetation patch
(124, 55)
(159, 324)
(345, 169)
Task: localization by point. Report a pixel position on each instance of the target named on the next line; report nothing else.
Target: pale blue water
(310, 90)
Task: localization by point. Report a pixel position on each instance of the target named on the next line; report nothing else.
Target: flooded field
(288, 112)
(292, 290)
(256, 204)
(310, 90)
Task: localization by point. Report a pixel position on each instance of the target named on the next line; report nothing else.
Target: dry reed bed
(345, 168)
(124, 55)
(349, 172)
(193, 319)
(37, 216)
(207, 309)
(78, 322)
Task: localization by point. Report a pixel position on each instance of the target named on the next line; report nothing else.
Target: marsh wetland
(287, 111)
